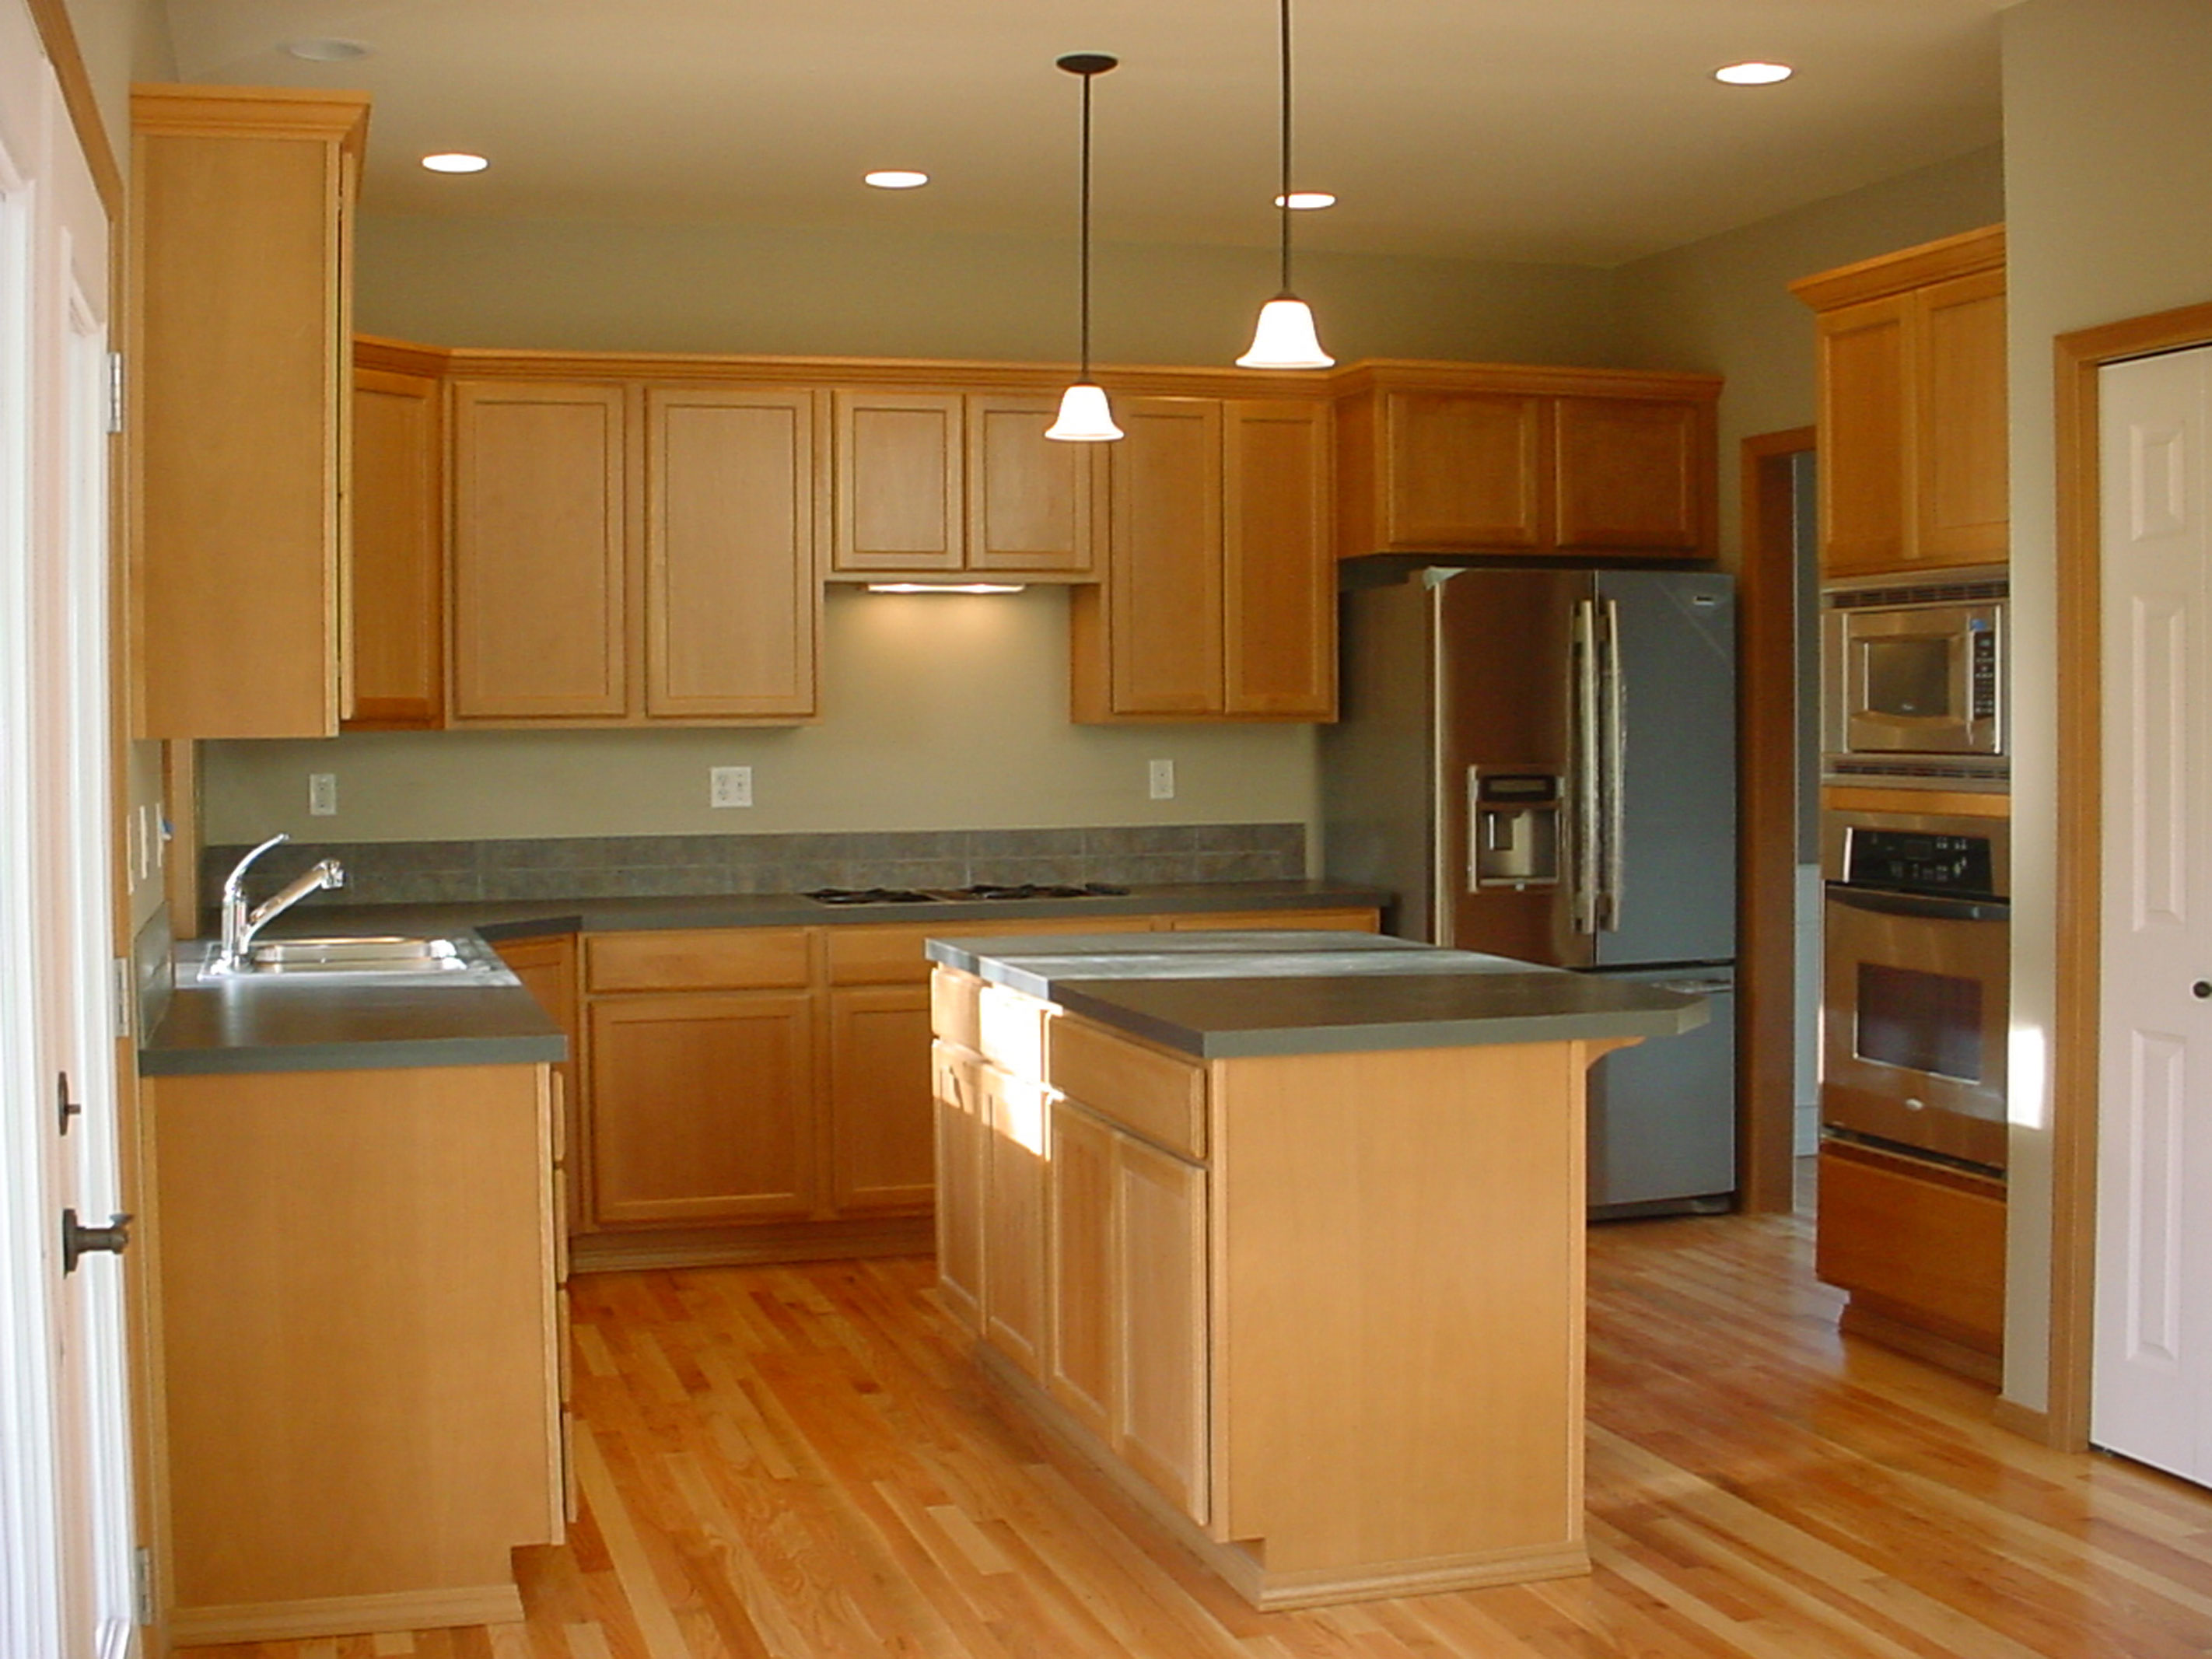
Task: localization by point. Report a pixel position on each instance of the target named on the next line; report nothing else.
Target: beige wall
(938, 714)
(2107, 129)
(1724, 305)
(942, 712)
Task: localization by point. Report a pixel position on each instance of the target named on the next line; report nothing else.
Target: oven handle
(1925, 909)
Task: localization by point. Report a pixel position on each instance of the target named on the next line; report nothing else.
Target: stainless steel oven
(1916, 983)
(1913, 673)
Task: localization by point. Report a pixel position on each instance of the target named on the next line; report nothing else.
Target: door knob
(2201, 989)
(78, 1239)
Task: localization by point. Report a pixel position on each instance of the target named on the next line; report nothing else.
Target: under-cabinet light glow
(455, 161)
(946, 587)
(895, 179)
(1753, 75)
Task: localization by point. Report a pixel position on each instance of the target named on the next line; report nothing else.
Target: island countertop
(1232, 994)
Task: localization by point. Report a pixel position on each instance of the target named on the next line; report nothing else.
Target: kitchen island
(1283, 1232)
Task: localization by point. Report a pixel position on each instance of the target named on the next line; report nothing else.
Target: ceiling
(1577, 132)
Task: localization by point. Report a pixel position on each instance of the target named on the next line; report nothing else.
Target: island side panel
(1398, 1252)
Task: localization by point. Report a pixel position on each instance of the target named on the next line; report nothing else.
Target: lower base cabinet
(358, 1325)
(881, 1159)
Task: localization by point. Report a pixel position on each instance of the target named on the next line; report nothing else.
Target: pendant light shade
(1284, 337)
(1085, 416)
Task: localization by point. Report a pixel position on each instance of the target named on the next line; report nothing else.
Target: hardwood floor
(797, 1462)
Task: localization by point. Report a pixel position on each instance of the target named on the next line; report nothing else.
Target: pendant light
(1285, 337)
(1084, 417)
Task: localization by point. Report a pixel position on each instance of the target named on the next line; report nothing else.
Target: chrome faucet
(240, 924)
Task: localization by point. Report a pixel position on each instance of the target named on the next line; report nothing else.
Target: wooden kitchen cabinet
(547, 968)
(541, 602)
(1219, 598)
(957, 1087)
(882, 1154)
(933, 484)
(240, 251)
(627, 555)
(1441, 458)
(1913, 437)
(399, 541)
(358, 1328)
(1016, 1114)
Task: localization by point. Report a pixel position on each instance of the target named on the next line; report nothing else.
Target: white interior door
(2152, 1385)
(66, 1516)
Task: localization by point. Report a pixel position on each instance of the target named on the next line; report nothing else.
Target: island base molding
(611, 1251)
(346, 1615)
(1237, 1565)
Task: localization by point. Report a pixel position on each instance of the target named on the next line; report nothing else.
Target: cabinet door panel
(1462, 471)
(398, 552)
(1965, 515)
(1163, 626)
(1013, 1218)
(1080, 1291)
(899, 498)
(700, 1108)
(960, 1152)
(1278, 580)
(1029, 498)
(539, 619)
(1630, 473)
(731, 598)
(1160, 1418)
(547, 968)
(879, 1093)
(1865, 435)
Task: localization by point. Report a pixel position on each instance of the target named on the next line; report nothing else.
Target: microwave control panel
(1913, 862)
(1982, 668)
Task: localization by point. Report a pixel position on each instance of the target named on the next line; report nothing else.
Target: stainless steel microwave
(1913, 675)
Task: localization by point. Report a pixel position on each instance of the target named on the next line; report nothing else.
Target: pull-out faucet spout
(240, 924)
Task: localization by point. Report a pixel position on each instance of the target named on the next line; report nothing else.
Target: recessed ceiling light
(1303, 200)
(455, 161)
(327, 52)
(895, 179)
(1753, 75)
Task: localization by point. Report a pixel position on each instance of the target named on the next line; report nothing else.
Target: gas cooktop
(962, 894)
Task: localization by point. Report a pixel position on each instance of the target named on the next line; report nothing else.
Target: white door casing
(2151, 1395)
(66, 1511)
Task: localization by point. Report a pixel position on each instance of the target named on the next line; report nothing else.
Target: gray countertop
(301, 1025)
(1225, 995)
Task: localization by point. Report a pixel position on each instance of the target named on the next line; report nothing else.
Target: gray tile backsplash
(632, 866)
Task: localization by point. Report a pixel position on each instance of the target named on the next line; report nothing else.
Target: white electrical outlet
(1163, 779)
(322, 794)
(730, 786)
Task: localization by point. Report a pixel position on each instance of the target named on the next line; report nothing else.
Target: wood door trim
(1766, 830)
(59, 37)
(2075, 1034)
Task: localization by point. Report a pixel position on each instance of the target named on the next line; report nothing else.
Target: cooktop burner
(871, 896)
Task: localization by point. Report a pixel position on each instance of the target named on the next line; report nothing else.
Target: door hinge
(141, 1585)
(122, 994)
(114, 391)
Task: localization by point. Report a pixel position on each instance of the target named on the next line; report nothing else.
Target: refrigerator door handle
(1582, 763)
(1613, 771)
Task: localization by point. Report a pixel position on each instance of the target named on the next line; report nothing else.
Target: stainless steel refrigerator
(1541, 764)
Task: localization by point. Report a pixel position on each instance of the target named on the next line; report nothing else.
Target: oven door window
(1920, 1021)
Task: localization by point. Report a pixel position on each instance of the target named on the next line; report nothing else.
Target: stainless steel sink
(356, 954)
(373, 959)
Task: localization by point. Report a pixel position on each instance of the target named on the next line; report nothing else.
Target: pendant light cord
(1285, 203)
(1085, 287)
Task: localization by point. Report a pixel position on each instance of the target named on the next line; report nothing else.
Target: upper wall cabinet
(630, 554)
(1911, 355)
(1451, 458)
(932, 484)
(1219, 600)
(239, 362)
(397, 503)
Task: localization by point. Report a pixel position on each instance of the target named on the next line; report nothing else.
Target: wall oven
(1913, 672)
(1916, 1004)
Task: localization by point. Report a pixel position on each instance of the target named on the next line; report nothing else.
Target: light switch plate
(322, 794)
(1163, 779)
(730, 786)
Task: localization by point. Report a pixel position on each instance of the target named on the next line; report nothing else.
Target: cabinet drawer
(882, 956)
(1338, 921)
(1150, 1094)
(1926, 1240)
(707, 958)
(955, 1008)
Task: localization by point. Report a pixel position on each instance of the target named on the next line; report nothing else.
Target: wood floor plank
(803, 1462)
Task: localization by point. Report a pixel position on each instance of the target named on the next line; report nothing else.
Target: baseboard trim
(1860, 1320)
(2023, 1420)
(726, 1246)
(345, 1615)
(1274, 1592)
